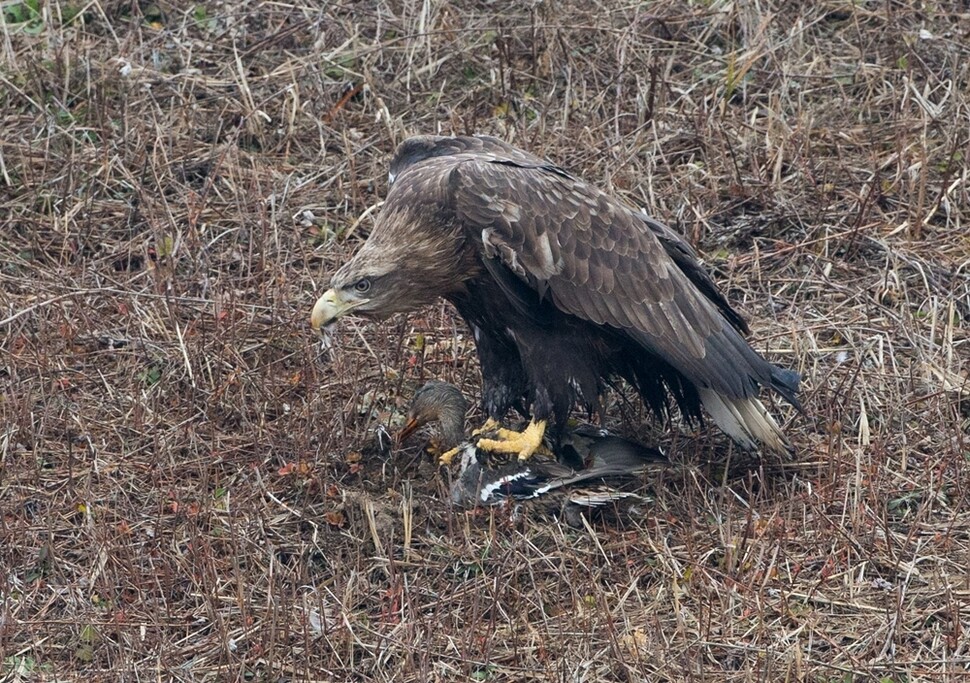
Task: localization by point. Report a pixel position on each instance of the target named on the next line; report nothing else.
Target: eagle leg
(525, 443)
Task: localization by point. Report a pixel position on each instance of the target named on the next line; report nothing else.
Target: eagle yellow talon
(446, 457)
(523, 443)
(489, 425)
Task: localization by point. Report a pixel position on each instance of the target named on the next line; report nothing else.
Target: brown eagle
(564, 288)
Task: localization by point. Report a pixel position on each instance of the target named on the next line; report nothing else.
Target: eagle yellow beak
(328, 308)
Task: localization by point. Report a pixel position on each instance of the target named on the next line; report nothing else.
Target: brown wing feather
(606, 263)
(423, 147)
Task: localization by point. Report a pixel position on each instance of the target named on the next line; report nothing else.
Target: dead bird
(439, 402)
(585, 455)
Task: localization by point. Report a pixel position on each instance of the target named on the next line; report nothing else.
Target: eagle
(565, 290)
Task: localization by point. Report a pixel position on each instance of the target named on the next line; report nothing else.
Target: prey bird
(583, 456)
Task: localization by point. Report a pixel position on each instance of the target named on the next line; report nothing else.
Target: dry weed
(182, 487)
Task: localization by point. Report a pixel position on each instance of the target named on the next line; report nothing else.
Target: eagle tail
(746, 420)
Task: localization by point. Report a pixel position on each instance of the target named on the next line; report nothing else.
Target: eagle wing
(604, 262)
(421, 148)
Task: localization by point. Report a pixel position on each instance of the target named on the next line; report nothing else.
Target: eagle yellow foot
(446, 457)
(524, 443)
(489, 426)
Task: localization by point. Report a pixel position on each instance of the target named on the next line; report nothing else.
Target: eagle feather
(565, 287)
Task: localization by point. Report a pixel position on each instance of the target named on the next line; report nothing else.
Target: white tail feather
(592, 498)
(746, 420)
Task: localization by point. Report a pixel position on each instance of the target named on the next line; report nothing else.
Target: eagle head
(409, 260)
(373, 287)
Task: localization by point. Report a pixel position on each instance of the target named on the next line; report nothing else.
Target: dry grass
(182, 495)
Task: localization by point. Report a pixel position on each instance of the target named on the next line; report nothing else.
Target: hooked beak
(328, 308)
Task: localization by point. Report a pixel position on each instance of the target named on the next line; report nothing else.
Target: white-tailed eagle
(564, 288)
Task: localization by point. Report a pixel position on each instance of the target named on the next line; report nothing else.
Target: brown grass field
(187, 486)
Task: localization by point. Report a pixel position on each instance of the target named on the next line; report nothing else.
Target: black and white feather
(602, 459)
(579, 466)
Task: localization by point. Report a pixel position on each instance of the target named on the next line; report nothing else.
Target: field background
(187, 484)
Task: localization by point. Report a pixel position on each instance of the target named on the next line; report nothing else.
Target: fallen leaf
(334, 518)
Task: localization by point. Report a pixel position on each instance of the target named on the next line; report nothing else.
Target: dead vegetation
(182, 487)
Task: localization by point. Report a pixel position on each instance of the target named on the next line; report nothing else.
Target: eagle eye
(362, 286)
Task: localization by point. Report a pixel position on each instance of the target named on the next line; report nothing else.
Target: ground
(188, 484)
